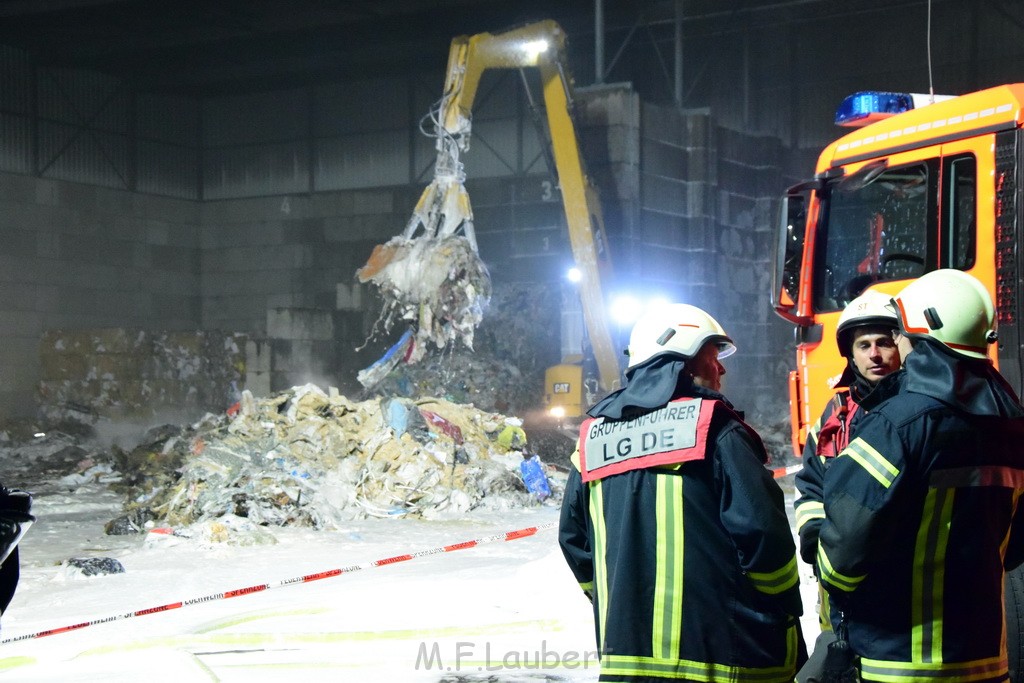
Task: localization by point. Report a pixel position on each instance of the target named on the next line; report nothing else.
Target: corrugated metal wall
(81, 126)
(785, 82)
(351, 136)
(15, 111)
(167, 146)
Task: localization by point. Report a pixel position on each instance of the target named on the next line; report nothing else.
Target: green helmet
(679, 329)
(951, 307)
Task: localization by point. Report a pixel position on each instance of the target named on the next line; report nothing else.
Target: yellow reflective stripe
(1006, 536)
(808, 510)
(588, 586)
(929, 575)
(905, 672)
(824, 609)
(872, 461)
(600, 558)
(812, 435)
(775, 582)
(830, 575)
(623, 665)
(668, 581)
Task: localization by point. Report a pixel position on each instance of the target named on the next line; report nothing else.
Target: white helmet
(679, 329)
(950, 306)
(870, 308)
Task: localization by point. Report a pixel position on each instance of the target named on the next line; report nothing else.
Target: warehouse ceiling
(205, 47)
(213, 46)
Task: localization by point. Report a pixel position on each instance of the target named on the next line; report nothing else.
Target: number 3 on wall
(546, 190)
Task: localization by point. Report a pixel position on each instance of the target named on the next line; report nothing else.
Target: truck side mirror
(789, 251)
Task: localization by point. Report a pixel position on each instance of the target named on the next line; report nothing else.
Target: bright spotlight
(625, 309)
(557, 412)
(535, 47)
(573, 274)
(657, 302)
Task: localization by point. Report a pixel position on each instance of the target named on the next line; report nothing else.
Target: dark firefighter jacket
(827, 439)
(691, 567)
(921, 520)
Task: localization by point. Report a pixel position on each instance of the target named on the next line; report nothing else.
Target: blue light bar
(862, 108)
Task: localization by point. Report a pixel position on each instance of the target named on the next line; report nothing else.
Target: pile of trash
(487, 383)
(503, 373)
(309, 458)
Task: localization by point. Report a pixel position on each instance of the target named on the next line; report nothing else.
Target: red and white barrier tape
(780, 472)
(507, 536)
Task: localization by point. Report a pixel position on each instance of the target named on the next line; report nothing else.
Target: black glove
(15, 519)
(841, 664)
(809, 544)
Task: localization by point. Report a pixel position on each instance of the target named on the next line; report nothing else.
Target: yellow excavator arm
(444, 212)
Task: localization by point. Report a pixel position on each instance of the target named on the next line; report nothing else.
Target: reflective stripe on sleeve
(778, 581)
(808, 510)
(872, 461)
(834, 578)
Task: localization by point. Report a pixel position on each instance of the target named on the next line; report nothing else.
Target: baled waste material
(313, 458)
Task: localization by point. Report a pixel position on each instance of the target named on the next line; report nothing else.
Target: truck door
(1008, 261)
(978, 231)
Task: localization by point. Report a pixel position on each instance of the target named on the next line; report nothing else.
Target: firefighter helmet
(951, 307)
(870, 308)
(679, 329)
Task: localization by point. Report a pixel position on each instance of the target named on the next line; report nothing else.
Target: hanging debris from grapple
(431, 275)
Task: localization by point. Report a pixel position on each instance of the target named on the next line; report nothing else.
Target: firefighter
(866, 337)
(15, 519)
(673, 526)
(921, 507)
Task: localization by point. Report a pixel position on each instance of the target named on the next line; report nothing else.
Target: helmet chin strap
(860, 382)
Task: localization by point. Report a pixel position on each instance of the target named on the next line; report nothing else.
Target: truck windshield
(872, 228)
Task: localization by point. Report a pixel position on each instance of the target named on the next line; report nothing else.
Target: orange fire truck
(921, 183)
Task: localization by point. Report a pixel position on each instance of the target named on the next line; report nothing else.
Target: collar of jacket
(973, 386)
(858, 386)
(885, 388)
(650, 386)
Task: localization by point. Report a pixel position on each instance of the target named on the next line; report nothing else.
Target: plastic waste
(534, 477)
(442, 425)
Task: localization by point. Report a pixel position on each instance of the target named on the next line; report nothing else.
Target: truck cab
(921, 183)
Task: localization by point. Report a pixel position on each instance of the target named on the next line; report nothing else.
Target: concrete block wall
(708, 205)
(609, 131)
(75, 256)
(750, 181)
(677, 214)
(687, 209)
(274, 268)
(302, 342)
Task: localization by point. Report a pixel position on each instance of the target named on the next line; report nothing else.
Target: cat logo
(560, 388)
